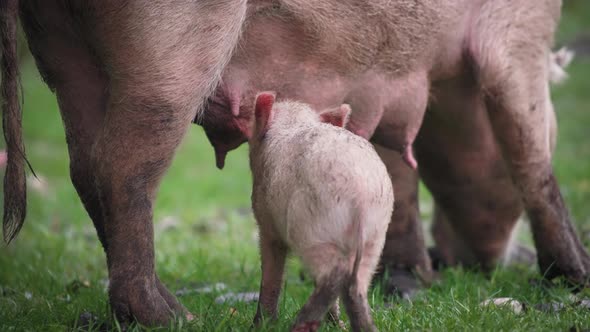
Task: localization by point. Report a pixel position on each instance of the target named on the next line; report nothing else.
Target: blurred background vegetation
(55, 270)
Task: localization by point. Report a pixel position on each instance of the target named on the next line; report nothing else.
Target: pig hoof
(173, 303)
(260, 320)
(140, 301)
(312, 326)
(575, 270)
(87, 321)
(437, 259)
(401, 283)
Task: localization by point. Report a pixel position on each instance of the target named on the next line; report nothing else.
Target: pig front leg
(405, 252)
(517, 98)
(273, 253)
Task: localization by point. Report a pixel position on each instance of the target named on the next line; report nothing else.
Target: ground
(55, 271)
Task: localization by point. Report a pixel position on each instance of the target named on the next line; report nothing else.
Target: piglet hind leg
(320, 302)
(330, 272)
(517, 97)
(339, 278)
(356, 288)
(357, 307)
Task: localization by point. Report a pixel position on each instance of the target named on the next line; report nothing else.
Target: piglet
(323, 193)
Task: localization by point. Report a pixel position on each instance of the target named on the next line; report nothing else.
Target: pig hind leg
(80, 88)
(513, 74)
(449, 249)
(156, 86)
(81, 91)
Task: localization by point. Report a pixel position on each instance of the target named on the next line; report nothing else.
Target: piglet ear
(336, 116)
(263, 112)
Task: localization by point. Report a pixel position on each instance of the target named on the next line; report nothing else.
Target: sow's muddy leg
(81, 90)
(157, 76)
(517, 98)
(405, 251)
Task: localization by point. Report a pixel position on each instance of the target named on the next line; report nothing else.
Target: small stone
(551, 307)
(585, 303)
(167, 223)
(507, 302)
(572, 298)
(66, 298)
(237, 297)
(28, 295)
(217, 287)
(104, 283)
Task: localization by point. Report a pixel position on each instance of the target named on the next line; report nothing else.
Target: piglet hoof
(140, 300)
(312, 326)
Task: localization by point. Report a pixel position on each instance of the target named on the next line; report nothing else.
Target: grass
(205, 234)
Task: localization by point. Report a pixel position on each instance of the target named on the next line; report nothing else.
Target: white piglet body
(324, 193)
(321, 185)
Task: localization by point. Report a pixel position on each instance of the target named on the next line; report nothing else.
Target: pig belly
(389, 111)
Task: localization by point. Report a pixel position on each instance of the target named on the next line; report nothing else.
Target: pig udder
(225, 132)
